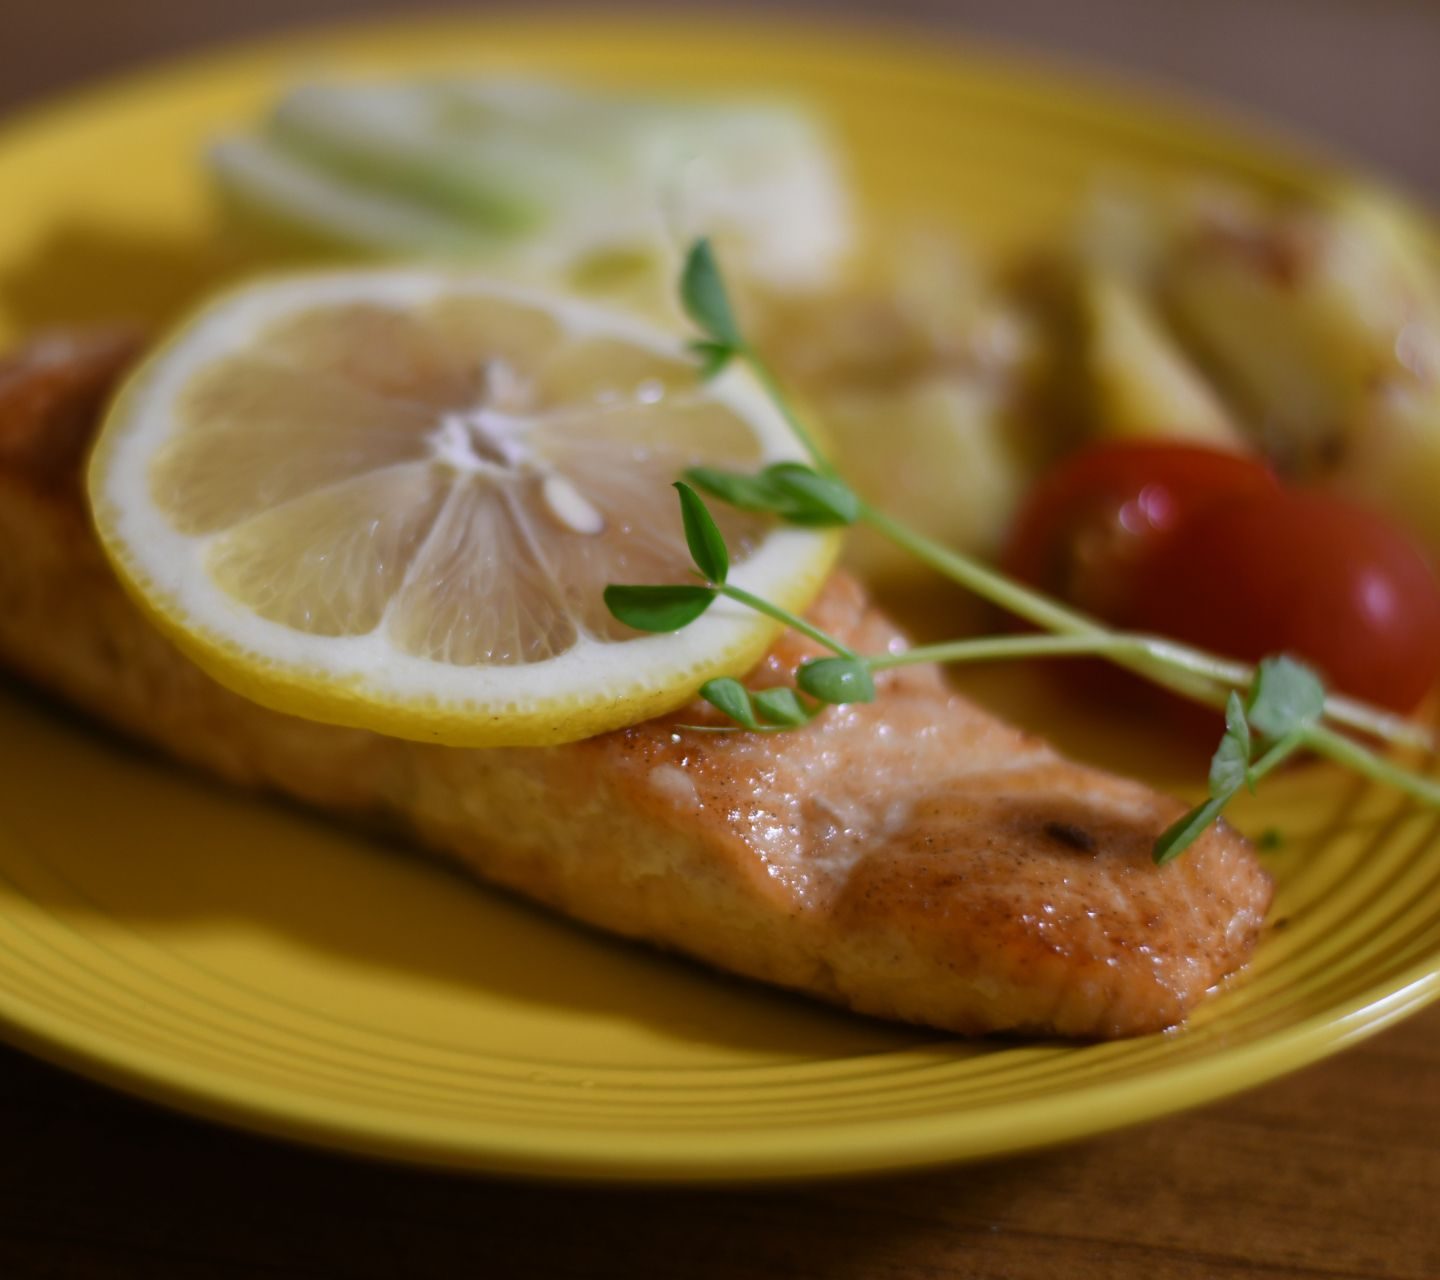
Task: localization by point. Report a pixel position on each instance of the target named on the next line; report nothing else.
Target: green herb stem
(1008, 594)
(1185, 670)
(1108, 644)
(982, 580)
(781, 401)
(785, 616)
(1275, 757)
(1342, 750)
(1385, 725)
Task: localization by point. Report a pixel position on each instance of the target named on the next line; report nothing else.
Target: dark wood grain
(1333, 1172)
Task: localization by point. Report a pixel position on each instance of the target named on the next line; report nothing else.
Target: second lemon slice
(392, 499)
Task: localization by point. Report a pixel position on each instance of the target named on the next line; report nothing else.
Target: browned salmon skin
(914, 858)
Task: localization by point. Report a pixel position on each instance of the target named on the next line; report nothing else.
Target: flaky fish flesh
(914, 858)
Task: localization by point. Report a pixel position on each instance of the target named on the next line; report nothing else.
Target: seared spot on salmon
(1069, 834)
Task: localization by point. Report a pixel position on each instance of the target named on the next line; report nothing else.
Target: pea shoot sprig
(1272, 711)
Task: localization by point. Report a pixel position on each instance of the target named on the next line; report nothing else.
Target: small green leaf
(817, 500)
(1230, 765)
(702, 291)
(836, 680)
(1180, 835)
(658, 608)
(702, 535)
(758, 493)
(1275, 756)
(1236, 724)
(747, 492)
(780, 706)
(798, 494)
(1285, 696)
(728, 695)
(713, 357)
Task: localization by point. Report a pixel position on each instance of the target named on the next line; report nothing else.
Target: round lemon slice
(392, 499)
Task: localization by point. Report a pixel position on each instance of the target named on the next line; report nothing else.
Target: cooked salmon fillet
(914, 858)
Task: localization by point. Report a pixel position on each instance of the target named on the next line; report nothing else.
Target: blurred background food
(539, 175)
(951, 375)
(1306, 332)
(1359, 76)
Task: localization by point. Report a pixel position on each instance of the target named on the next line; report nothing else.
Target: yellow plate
(244, 961)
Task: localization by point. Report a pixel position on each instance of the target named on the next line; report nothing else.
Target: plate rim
(843, 1149)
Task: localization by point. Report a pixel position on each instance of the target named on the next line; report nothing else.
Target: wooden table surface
(1333, 1172)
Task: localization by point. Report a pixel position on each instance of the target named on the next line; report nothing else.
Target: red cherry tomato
(1092, 523)
(1300, 573)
